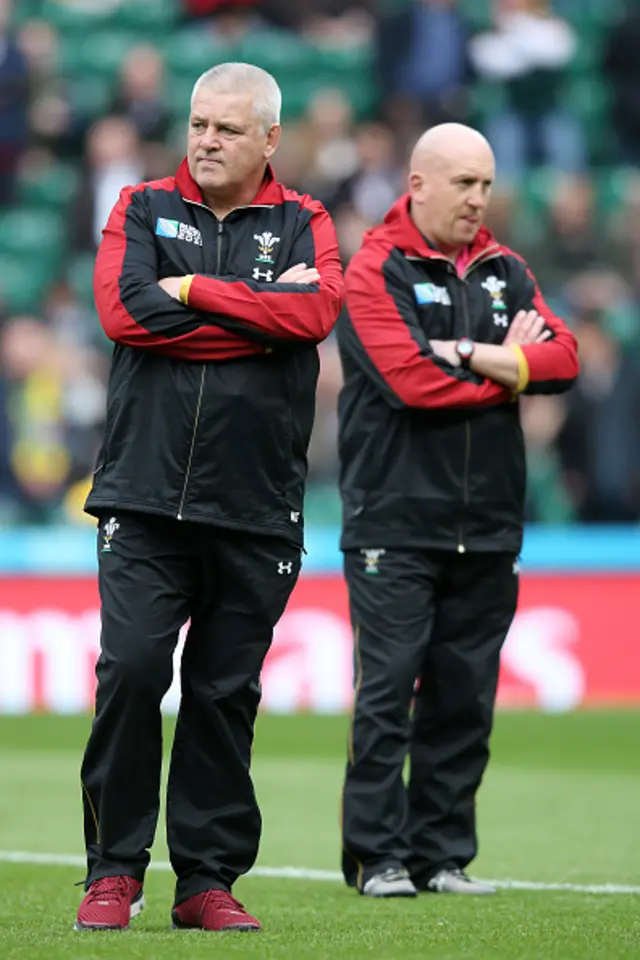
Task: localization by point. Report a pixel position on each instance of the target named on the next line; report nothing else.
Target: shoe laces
(112, 888)
(394, 873)
(221, 898)
(438, 881)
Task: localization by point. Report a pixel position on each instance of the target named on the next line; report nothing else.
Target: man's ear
(273, 139)
(416, 186)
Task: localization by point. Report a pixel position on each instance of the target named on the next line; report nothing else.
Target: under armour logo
(285, 567)
(500, 320)
(295, 516)
(259, 274)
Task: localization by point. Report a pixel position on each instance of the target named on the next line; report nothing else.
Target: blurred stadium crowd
(94, 95)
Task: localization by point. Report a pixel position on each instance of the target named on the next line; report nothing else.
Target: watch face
(465, 348)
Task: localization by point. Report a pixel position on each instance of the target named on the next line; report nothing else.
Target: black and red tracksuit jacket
(433, 456)
(211, 402)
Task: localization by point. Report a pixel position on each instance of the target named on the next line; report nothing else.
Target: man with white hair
(216, 285)
(443, 329)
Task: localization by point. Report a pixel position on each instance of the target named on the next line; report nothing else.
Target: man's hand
(526, 327)
(171, 285)
(300, 273)
(447, 350)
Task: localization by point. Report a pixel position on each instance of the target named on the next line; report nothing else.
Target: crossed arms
(223, 317)
(381, 331)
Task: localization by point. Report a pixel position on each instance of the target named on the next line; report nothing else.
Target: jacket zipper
(193, 443)
(482, 258)
(467, 429)
(200, 395)
(219, 247)
(204, 369)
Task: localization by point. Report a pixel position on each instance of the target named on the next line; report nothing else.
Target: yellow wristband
(185, 286)
(523, 369)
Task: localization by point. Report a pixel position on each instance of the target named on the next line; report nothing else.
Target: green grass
(559, 804)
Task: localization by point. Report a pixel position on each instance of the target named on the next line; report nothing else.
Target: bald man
(442, 331)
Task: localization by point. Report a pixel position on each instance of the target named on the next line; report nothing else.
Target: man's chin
(467, 232)
(211, 179)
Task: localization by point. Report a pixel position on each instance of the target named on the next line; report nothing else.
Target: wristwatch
(464, 349)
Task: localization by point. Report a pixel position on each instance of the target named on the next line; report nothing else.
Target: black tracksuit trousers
(154, 575)
(439, 618)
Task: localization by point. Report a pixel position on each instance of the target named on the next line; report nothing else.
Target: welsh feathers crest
(494, 288)
(266, 242)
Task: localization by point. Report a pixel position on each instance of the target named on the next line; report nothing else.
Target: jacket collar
(399, 228)
(270, 191)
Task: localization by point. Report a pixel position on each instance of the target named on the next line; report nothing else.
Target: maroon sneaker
(213, 910)
(109, 904)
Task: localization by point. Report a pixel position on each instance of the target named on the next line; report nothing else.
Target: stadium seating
(80, 277)
(22, 284)
(94, 38)
(52, 187)
(33, 234)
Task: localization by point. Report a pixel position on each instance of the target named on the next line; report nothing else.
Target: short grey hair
(245, 78)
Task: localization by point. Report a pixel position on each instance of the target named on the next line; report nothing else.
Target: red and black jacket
(211, 402)
(431, 455)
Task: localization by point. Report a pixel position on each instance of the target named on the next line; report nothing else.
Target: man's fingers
(535, 329)
(171, 286)
(293, 273)
(527, 327)
(529, 322)
(516, 330)
(290, 275)
(516, 324)
(537, 332)
(307, 276)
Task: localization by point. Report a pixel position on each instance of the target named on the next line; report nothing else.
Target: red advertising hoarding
(574, 642)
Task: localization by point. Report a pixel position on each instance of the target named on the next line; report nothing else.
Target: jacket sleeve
(134, 310)
(551, 366)
(273, 313)
(380, 331)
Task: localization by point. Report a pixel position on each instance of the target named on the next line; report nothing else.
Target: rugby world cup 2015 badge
(431, 293)
(174, 230)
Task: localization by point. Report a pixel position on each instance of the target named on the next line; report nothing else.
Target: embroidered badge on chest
(495, 289)
(174, 230)
(430, 293)
(266, 245)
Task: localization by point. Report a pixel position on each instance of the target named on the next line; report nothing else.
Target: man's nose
(477, 200)
(210, 139)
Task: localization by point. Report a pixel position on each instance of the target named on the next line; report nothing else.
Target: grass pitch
(560, 804)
